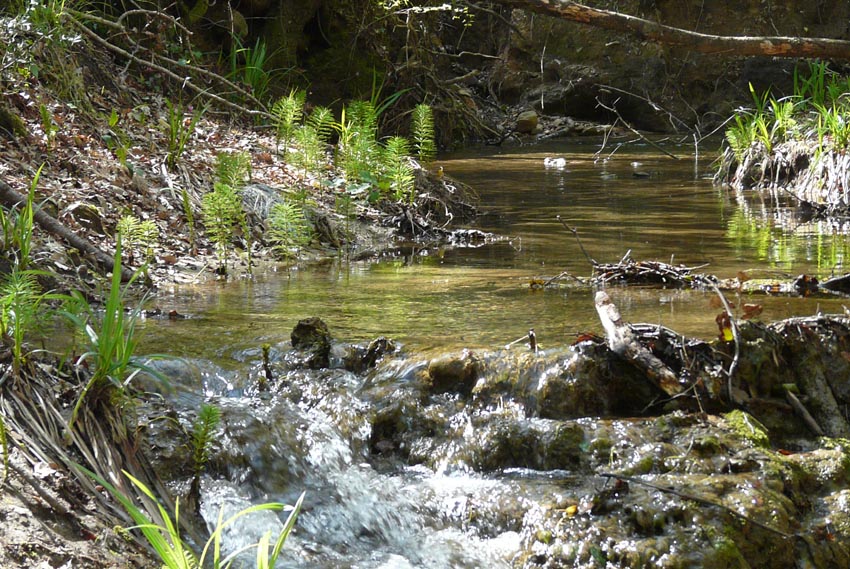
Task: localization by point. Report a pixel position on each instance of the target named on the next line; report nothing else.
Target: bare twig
(574, 231)
(694, 498)
(801, 410)
(185, 81)
(614, 110)
(673, 118)
(733, 366)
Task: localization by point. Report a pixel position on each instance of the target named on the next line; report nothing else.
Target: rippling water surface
(637, 200)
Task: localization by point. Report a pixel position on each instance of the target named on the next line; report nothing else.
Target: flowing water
(368, 512)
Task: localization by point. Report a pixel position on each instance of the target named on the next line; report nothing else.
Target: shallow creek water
(368, 511)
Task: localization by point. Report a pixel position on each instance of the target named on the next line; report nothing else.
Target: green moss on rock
(748, 428)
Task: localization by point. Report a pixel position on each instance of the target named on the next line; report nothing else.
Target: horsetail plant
(190, 218)
(233, 168)
(288, 229)
(203, 434)
(397, 169)
(422, 132)
(20, 313)
(288, 112)
(222, 212)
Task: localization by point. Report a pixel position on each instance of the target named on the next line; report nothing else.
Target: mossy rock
(748, 428)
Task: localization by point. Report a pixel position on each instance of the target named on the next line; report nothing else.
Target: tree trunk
(767, 46)
(11, 199)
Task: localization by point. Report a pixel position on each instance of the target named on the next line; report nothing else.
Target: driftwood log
(623, 341)
(12, 199)
(765, 46)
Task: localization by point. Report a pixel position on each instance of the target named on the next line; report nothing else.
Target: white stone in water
(558, 163)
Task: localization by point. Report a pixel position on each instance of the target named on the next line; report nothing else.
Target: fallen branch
(185, 81)
(804, 414)
(622, 341)
(765, 46)
(11, 199)
(574, 231)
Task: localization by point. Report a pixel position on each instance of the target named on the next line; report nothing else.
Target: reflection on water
(638, 200)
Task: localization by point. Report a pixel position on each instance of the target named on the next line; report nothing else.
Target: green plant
(288, 229)
(288, 112)
(741, 135)
(190, 217)
(138, 234)
(397, 168)
(422, 132)
(112, 346)
(44, 15)
(309, 148)
(762, 132)
(48, 125)
(17, 228)
(116, 139)
(357, 150)
(833, 122)
(253, 72)
(811, 90)
(233, 168)
(179, 130)
(175, 553)
(783, 119)
(20, 309)
(222, 212)
(321, 119)
(203, 434)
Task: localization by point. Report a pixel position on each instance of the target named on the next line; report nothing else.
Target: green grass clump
(179, 130)
(174, 553)
(112, 340)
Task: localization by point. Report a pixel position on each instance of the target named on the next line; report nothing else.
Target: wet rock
(588, 380)
(526, 122)
(312, 337)
(454, 374)
(359, 359)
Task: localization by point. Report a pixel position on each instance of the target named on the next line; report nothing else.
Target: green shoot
(203, 433)
(288, 229)
(422, 132)
(288, 112)
(222, 212)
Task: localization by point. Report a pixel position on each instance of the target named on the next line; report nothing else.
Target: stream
(402, 472)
